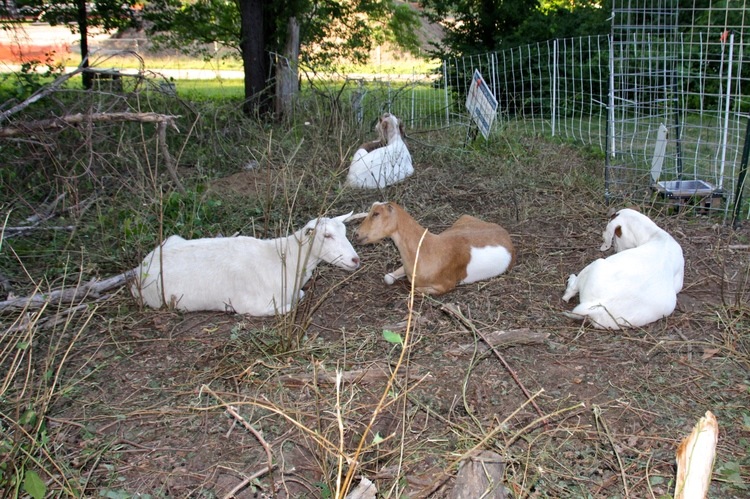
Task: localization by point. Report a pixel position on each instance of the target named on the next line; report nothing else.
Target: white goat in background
(635, 286)
(242, 274)
(382, 162)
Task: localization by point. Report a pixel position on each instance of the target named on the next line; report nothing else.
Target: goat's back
(478, 233)
(633, 287)
(470, 250)
(239, 273)
(380, 167)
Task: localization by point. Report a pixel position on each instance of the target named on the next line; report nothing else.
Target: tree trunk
(83, 26)
(287, 79)
(254, 56)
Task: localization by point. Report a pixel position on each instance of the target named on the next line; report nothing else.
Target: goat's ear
(310, 226)
(384, 126)
(610, 232)
(343, 218)
(401, 128)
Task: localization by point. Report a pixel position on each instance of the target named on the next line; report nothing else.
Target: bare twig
(456, 312)
(161, 128)
(600, 419)
(249, 479)
(405, 345)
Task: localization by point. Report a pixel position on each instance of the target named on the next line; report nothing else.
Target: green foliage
(21, 84)
(27, 437)
(106, 14)
(34, 485)
(329, 30)
(192, 27)
(477, 26)
(392, 337)
(730, 473)
(324, 490)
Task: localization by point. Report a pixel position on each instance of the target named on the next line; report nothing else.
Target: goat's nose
(355, 260)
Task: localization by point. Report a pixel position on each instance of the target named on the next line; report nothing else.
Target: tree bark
(83, 26)
(287, 79)
(254, 56)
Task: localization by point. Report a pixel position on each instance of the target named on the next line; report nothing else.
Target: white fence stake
(554, 85)
(726, 112)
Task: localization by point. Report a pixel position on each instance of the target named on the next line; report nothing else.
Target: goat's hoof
(389, 279)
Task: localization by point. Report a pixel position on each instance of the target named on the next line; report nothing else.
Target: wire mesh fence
(665, 96)
(676, 110)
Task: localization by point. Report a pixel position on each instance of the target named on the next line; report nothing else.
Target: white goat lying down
(382, 162)
(635, 286)
(468, 251)
(243, 274)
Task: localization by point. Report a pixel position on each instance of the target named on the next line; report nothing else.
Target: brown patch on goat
(371, 146)
(383, 128)
(618, 231)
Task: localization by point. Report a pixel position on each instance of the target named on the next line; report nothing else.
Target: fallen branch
(502, 339)
(28, 320)
(695, 459)
(61, 122)
(93, 289)
(17, 231)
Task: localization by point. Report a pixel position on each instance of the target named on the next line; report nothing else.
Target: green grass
(217, 89)
(393, 66)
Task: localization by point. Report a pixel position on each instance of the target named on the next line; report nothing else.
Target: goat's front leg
(572, 288)
(394, 276)
(430, 290)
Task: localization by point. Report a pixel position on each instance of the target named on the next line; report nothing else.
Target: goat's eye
(376, 214)
(328, 236)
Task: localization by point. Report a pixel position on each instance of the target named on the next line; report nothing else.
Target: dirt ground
(576, 412)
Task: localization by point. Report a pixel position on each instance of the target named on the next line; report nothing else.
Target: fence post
(611, 100)
(726, 112)
(413, 94)
(609, 152)
(445, 88)
(554, 84)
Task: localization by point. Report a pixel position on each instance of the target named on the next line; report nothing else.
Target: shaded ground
(148, 414)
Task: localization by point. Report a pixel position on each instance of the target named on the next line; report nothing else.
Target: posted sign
(481, 104)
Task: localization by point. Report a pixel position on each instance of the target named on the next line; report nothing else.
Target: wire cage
(675, 104)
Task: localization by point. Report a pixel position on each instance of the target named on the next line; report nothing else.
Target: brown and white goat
(470, 250)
